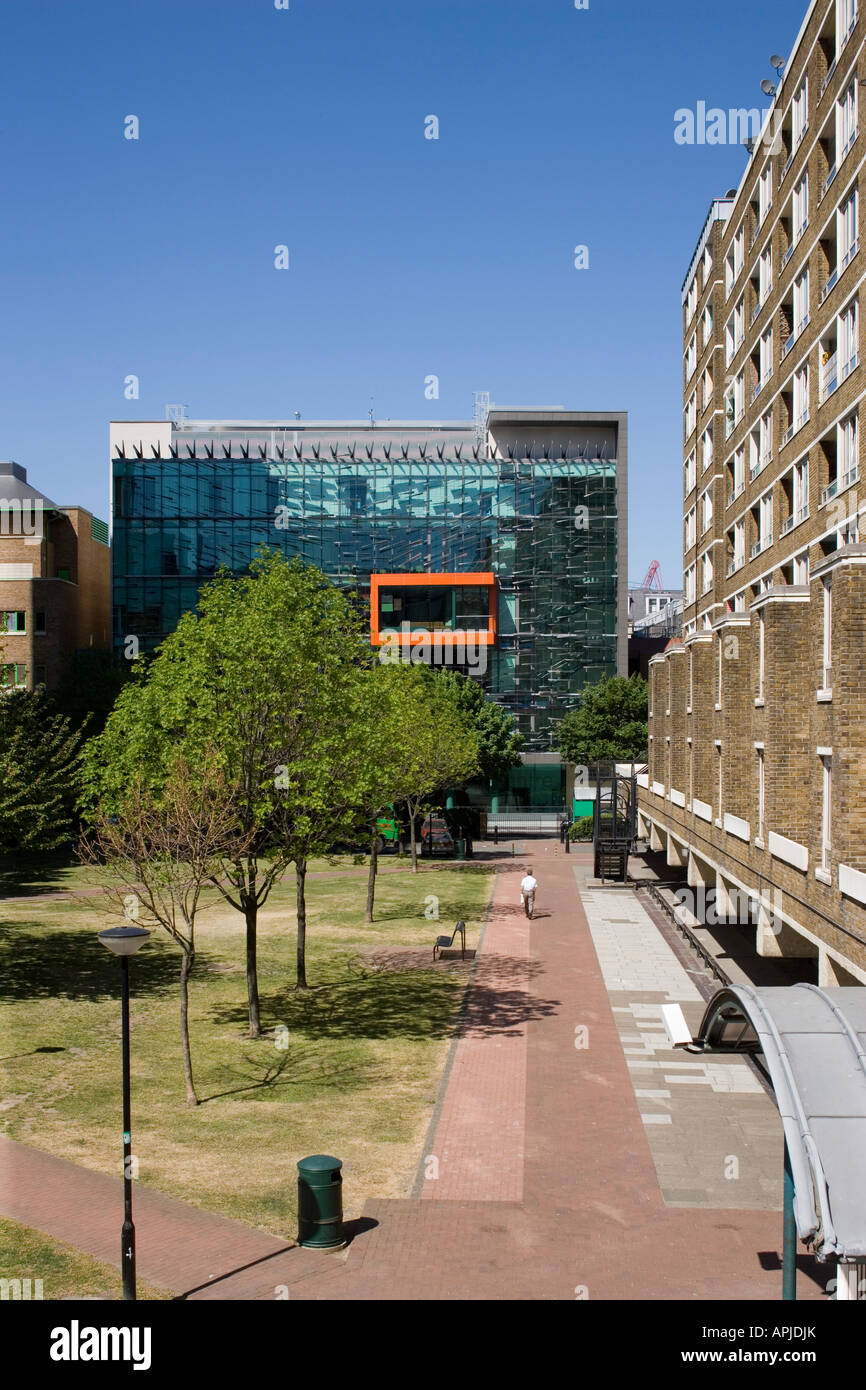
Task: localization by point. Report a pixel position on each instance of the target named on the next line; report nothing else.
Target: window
(13, 622)
(692, 302)
(691, 356)
(826, 798)
(707, 265)
(761, 792)
(762, 648)
(799, 114)
(846, 122)
(63, 573)
(707, 386)
(765, 193)
(739, 470)
(691, 414)
(765, 275)
(13, 673)
(735, 403)
(706, 572)
(801, 397)
(800, 491)
(846, 16)
(801, 302)
(739, 544)
(848, 339)
(733, 333)
(766, 355)
(800, 209)
(40, 675)
(691, 472)
(847, 451)
(707, 325)
(827, 644)
(706, 509)
(689, 578)
(846, 231)
(39, 624)
(730, 273)
(690, 529)
(707, 449)
(765, 509)
(801, 568)
(739, 251)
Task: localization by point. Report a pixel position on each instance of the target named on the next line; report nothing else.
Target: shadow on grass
(69, 964)
(405, 1004)
(27, 875)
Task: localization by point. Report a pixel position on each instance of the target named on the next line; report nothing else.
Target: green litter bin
(320, 1202)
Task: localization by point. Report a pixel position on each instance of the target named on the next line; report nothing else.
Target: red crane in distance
(653, 578)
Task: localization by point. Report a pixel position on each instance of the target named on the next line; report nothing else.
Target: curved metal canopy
(814, 1046)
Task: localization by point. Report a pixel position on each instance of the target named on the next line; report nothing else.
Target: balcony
(788, 254)
(829, 285)
(756, 468)
(763, 544)
(829, 378)
(828, 493)
(787, 436)
(850, 477)
(736, 564)
(827, 80)
(732, 496)
(849, 367)
(848, 143)
(828, 180)
(793, 520)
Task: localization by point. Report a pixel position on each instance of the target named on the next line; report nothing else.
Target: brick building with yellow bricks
(757, 761)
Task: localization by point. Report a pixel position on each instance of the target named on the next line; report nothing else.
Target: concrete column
(776, 938)
(677, 853)
(642, 826)
(700, 875)
(832, 975)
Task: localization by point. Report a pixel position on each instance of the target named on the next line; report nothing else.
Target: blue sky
(409, 256)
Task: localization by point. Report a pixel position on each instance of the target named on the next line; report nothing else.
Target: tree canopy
(609, 724)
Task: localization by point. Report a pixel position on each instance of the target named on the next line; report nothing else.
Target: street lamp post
(124, 942)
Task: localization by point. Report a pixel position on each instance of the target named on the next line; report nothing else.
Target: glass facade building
(545, 519)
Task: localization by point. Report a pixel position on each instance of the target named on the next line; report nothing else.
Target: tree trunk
(251, 912)
(371, 880)
(186, 964)
(300, 879)
(412, 841)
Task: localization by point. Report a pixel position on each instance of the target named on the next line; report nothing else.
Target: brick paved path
(547, 1186)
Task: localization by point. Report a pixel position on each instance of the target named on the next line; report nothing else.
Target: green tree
(499, 742)
(39, 756)
(257, 674)
(609, 723)
(434, 745)
(155, 855)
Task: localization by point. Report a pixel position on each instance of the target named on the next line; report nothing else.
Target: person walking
(528, 885)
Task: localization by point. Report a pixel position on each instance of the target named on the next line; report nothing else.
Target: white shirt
(528, 884)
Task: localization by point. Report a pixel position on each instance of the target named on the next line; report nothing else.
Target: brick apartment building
(55, 583)
(758, 714)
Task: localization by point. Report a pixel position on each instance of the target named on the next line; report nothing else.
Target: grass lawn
(358, 1077)
(64, 1272)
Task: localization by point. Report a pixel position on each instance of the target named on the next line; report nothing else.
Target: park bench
(443, 943)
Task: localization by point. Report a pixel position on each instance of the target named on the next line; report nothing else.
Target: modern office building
(55, 583)
(500, 543)
(758, 716)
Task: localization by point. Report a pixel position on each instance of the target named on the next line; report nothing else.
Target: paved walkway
(547, 1185)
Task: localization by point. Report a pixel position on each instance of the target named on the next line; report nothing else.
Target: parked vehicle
(436, 838)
